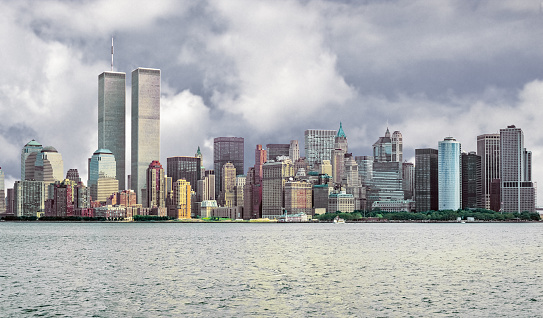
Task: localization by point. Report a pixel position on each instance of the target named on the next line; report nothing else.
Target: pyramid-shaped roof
(340, 132)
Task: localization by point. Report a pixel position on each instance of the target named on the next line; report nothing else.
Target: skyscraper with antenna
(112, 117)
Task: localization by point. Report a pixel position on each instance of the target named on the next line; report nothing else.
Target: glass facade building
(488, 147)
(449, 174)
(145, 125)
(112, 119)
(188, 168)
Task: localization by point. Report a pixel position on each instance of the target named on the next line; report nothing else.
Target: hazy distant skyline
(266, 71)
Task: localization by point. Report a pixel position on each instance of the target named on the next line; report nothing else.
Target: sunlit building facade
(145, 125)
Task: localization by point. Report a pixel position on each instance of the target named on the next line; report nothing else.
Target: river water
(270, 270)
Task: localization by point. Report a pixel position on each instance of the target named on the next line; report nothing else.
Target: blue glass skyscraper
(449, 174)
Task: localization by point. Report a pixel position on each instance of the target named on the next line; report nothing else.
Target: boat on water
(337, 219)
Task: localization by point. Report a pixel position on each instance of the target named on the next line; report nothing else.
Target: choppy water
(271, 270)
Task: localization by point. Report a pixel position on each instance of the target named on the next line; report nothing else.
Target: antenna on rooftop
(112, 54)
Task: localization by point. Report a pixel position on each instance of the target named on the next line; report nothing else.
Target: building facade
(112, 119)
(488, 148)
(145, 125)
(472, 197)
(188, 168)
(156, 186)
(426, 179)
(516, 187)
(449, 174)
(31, 147)
(227, 149)
(318, 146)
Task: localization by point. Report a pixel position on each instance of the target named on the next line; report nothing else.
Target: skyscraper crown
(340, 132)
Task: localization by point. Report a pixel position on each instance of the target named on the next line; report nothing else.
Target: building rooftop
(33, 143)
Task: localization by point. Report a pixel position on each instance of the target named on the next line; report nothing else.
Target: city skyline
(345, 63)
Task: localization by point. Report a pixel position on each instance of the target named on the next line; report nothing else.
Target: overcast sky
(268, 70)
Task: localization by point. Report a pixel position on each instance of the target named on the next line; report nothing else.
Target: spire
(387, 133)
(112, 54)
(340, 132)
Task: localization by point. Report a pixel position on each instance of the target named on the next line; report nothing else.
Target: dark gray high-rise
(426, 179)
(227, 149)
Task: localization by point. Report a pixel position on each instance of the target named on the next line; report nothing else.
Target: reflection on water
(298, 270)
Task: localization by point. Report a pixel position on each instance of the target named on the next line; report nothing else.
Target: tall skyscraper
(517, 190)
(488, 147)
(112, 119)
(227, 149)
(449, 174)
(145, 124)
(408, 180)
(471, 181)
(426, 179)
(318, 146)
(397, 146)
(31, 147)
(2, 193)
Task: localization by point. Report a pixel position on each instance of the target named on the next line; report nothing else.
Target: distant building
(228, 195)
(29, 198)
(2, 193)
(145, 125)
(188, 168)
(227, 149)
(252, 197)
(341, 201)
(274, 177)
(449, 174)
(31, 147)
(394, 206)
(156, 186)
(294, 150)
(517, 189)
(365, 169)
(471, 181)
(277, 150)
(408, 181)
(426, 179)
(488, 147)
(73, 175)
(112, 119)
(298, 197)
(180, 207)
(102, 175)
(318, 146)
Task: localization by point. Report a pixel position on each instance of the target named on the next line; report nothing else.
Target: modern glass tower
(145, 124)
(112, 119)
(449, 173)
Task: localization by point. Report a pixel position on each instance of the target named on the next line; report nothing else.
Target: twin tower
(145, 124)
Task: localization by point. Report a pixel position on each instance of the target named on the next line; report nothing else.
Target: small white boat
(337, 219)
